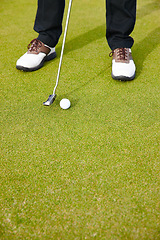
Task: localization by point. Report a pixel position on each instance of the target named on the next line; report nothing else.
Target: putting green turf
(90, 172)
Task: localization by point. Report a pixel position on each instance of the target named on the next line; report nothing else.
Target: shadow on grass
(147, 9)
(140, 52)
(76, 98)
(84, 39)
(144, 48)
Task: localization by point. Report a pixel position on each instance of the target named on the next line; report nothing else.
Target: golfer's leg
(120, 20)
(48, 22)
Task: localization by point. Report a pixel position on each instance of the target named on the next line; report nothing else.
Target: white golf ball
(65, 103)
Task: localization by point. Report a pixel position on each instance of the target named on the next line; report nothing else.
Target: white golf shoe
(123, 67)
(35, 57)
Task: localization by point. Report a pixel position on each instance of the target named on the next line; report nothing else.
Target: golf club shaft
(64, 39)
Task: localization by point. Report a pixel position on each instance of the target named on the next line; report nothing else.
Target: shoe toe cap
(30, 60)
(123, 69)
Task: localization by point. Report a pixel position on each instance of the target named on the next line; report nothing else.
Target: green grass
(90, 172)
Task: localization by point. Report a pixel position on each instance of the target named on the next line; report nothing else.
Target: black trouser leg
(48, 22)
(120, 20)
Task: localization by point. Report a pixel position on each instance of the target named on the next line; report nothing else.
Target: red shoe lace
(121, 54)
(34, 45)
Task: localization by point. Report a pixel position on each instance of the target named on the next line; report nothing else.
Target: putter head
(50, 100)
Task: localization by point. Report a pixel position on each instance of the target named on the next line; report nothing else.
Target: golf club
(52, 97)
